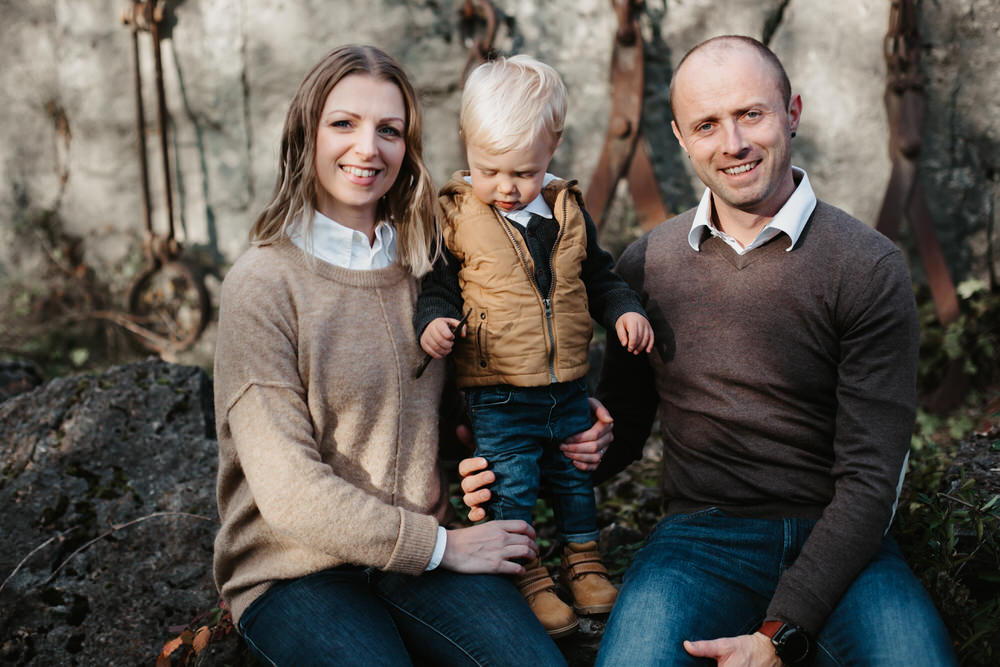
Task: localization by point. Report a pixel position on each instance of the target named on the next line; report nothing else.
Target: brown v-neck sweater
(785, 383)
(327, 442)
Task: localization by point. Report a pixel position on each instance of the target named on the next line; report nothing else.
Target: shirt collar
(522, 216)
(790, 219)
(348, 248)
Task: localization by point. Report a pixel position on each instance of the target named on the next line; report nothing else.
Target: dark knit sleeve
(440, 294)
(608, 295)
(626, 386)
(876, 398)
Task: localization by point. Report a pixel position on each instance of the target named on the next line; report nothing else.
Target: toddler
(521, 259)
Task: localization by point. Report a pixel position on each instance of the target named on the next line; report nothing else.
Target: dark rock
(108, 503)
(17, 377)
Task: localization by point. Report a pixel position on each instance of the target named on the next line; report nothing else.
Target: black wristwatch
(791, 643)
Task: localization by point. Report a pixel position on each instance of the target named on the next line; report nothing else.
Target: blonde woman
(331, 549)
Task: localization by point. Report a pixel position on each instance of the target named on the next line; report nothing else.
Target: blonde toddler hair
(508, 103)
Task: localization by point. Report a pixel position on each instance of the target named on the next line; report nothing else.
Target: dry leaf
(202, 637)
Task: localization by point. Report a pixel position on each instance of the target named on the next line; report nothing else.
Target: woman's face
(360, 144)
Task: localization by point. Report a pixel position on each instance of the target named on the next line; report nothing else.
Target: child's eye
(487, 172)
(526, 174)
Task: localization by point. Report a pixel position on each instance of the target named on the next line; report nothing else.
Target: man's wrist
(791, 643)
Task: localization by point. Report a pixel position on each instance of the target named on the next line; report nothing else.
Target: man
(784, 377)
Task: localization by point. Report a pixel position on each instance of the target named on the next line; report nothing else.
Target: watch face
(791, 644)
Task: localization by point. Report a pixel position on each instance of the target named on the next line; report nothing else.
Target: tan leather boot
(587, 579)
(538, 589)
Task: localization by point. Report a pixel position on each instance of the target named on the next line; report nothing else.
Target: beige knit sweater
(327, 443)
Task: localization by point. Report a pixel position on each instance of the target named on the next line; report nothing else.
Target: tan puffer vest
(516, 336)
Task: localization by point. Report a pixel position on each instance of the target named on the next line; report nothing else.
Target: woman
(331, 548)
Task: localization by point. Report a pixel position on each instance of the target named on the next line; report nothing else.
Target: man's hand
(753, 650)
(438, 338)
(475, 477)
(634, 333)
(490, 548)
(586, 449)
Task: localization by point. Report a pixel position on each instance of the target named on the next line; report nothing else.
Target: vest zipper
(546, 300)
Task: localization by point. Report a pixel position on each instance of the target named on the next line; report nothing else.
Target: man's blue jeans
(367, 617)
(518, 430)
(707, 575)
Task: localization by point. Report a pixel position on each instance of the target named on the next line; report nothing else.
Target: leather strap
(583, 563)
(768, 628)
(535, 581)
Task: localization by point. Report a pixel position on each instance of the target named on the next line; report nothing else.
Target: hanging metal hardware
(168, 305)
(625, 154)
(904, 196)
(478, 26)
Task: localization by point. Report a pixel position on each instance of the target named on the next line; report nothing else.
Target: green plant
(973, 339)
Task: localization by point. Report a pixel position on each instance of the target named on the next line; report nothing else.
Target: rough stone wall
(67, 129)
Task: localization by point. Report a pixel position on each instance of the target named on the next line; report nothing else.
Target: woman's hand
(586, 449)
(490, 548)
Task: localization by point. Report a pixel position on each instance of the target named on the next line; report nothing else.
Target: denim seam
(432, 629)
(821, 647)
(257, 650)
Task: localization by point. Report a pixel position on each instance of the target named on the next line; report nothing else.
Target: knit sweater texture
(785, 384)
(327, 441)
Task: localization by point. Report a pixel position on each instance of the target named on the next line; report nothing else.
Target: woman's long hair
(409, 203)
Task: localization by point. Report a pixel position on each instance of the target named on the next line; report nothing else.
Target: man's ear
(677, 133)
(794, 113)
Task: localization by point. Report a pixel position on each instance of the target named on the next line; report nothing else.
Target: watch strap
(769, 628)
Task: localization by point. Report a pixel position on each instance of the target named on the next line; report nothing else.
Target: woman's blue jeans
(707, 575)
(518, 430)
(367, 617)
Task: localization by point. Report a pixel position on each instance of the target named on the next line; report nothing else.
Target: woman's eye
(340, 123)
(390, 131)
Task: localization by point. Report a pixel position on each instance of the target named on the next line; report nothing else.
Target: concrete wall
(67, 127)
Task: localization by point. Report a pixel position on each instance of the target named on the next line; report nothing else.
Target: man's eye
(704, 127)
(752, 115)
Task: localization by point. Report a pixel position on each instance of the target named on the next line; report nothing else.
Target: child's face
(511, 180)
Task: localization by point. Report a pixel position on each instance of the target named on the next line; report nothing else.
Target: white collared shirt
(348, 248)
(791, 219)
(522, 216)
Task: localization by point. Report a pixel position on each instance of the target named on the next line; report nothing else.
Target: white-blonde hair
(508, 103)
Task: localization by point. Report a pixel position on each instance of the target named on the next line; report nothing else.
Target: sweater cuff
(415, 543)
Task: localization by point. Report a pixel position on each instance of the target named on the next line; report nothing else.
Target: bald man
(784, 379)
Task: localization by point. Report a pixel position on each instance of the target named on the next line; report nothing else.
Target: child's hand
(634, 332)
(438, 338)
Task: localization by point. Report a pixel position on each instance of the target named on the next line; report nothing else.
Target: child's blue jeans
(518, 430)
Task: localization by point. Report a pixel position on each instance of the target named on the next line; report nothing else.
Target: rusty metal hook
(168, 304)
(476, 13)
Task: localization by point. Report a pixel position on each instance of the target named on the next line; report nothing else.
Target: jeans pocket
(487, 397)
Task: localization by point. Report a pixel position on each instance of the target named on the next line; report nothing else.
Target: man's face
(511, 180)
(729, 116)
